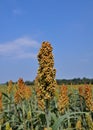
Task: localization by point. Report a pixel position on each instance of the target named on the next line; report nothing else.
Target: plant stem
(30, 108)
(23, 115)
(47, 114)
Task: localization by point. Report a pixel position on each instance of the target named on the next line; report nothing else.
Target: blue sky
(66, 24)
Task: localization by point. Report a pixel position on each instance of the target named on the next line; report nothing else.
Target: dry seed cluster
(88, 97)
(63, 100)
(9, 89)
(23, 92)
(86, 92)
(81, 91)
(46, 74)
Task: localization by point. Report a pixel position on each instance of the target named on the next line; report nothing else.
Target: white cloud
(20, 48)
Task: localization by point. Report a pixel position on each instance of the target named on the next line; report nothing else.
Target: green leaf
(6, 95)
(59, 121)
(53, 116)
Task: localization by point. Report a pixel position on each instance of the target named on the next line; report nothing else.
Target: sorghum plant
(81, 91)
(10, 86)
(45, 78)
(23, 92)
(63, 100)
(88, 97)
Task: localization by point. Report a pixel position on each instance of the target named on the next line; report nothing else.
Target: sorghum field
(46, 105)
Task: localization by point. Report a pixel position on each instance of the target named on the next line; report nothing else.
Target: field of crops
(46, 105)
(71, 108)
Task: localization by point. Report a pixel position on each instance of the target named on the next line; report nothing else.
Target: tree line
(68, 81)
(73, 81)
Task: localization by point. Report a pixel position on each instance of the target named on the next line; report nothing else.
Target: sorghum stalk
(63, 100)
(81, 95)
(88, 97)
(46, 78)
(30, 109)
(9, 88)
(22, 94)
(23, 112)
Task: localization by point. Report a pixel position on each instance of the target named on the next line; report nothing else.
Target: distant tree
(74, 81)
(29, 82)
